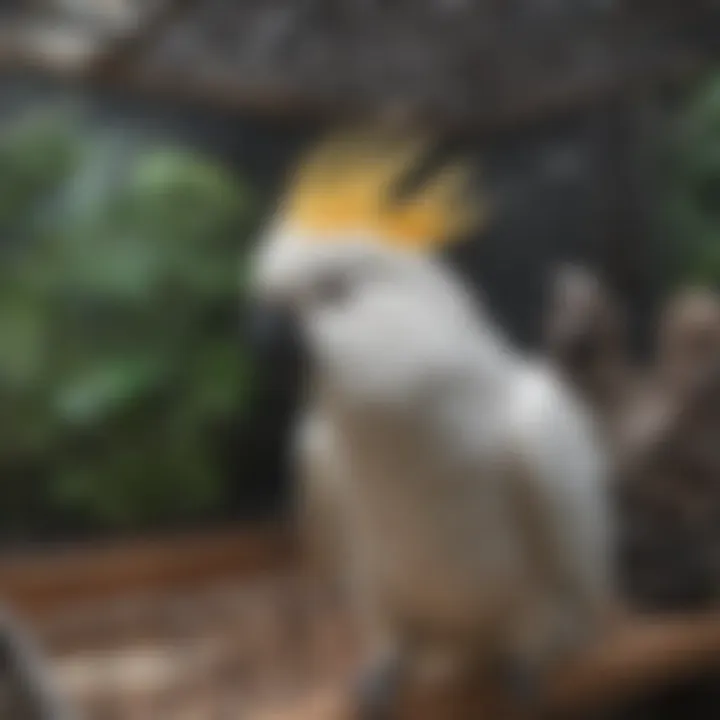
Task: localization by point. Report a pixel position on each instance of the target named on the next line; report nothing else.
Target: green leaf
(221, 377)
(100, 392)
(120, 363)
(23, 341)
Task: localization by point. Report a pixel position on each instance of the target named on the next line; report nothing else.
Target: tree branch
(640, 656)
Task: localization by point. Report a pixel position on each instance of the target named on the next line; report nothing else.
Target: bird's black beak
(273, 334)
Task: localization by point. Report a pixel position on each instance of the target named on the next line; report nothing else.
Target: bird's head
(689, 342)
(346, 265)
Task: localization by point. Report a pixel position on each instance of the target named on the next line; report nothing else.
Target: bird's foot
(378, 688)
(524, 683)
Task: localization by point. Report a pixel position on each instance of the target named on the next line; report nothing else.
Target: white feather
(470, 482)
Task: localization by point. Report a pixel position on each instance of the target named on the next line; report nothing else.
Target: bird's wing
(322, 506)
(560, 485)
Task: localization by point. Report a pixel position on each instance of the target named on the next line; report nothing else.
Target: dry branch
(638, 657)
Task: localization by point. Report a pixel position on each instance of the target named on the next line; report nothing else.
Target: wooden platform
(200, 625)
(46, 580)
(222, 625)
(234, 651)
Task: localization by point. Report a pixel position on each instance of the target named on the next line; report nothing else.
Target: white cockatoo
(459, 484)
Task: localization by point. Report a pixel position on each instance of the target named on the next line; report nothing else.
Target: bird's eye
(332, 290)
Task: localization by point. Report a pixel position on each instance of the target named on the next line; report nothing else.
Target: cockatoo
(585, 336)
(689, 341)
(459, 484)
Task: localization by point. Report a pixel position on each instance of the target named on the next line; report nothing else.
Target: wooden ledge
(36, 584)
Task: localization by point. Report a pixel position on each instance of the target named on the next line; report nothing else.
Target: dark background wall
(574, 189)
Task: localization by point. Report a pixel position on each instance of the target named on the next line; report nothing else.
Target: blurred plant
(694, 207)
(120, 361)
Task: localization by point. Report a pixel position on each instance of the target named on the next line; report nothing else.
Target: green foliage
(120, 362)
(693, 212)
(35, 156)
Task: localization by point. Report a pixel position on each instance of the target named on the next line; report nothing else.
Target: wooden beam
(113, 64)
(38, 584)
(232, 94)
(70, 41)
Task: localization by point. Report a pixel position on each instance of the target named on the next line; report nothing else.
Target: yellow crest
(347, 186)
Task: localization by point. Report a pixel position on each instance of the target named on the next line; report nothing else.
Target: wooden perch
(639, 657)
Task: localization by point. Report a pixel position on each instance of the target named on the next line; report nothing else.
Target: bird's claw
(523, 682)
(377, 690)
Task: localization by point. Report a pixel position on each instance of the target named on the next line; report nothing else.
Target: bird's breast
(436, 538)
